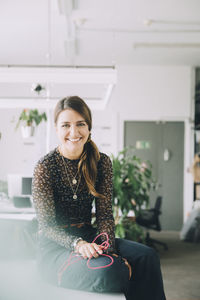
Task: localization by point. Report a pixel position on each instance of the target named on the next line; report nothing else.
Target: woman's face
(73, 133)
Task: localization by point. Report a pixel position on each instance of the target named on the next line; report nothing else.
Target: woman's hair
(90, 155)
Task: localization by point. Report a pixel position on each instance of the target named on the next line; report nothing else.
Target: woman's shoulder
(104, 159)
(104, 156)
(104, 167)
(46, 166)
(48, 159)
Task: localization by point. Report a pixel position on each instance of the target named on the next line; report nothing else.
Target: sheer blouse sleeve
(104, 213)
(43, 198)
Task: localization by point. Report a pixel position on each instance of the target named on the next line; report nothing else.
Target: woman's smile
(74, 140)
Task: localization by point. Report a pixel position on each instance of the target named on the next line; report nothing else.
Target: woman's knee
(115, 277)
(149, 252)
(133, 250)
(148, 263)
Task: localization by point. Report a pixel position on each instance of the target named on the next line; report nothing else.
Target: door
(163, 145)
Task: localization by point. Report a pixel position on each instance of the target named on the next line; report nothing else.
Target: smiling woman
(71, 252)
(72, 132)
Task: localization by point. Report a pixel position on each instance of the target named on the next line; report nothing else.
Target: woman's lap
(51, 258)
(146, 275)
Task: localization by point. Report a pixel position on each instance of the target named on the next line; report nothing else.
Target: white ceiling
(100, 33)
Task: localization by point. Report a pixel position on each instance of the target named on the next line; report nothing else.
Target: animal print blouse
(54, 203)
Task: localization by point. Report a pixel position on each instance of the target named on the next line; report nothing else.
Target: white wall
(153, 91)
(18, 155)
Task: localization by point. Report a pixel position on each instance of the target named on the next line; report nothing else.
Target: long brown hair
(90, 155)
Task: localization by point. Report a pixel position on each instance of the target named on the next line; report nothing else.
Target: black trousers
(145, 283)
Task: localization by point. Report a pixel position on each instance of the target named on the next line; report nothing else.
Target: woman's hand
(88, 250)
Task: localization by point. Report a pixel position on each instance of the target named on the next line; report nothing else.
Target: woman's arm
(104, 213)
(43, 198)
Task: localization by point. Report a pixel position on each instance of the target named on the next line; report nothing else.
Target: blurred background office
(137, 65)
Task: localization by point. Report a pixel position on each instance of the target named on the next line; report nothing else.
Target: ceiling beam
(58, 75)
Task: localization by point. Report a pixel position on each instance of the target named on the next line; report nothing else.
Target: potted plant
(132, 182)
(29, 118)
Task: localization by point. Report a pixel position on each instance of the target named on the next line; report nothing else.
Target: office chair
(149, 218)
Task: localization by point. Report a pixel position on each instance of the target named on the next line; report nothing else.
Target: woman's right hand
(88, 250)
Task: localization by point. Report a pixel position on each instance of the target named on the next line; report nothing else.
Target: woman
(66, 182)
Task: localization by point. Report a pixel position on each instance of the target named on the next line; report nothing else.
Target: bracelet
(75, 243)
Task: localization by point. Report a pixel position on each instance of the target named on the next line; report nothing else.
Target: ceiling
(100, 33)
(91, 33)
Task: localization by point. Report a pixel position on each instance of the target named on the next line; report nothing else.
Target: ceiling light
(61, 74)
(149, 22)
(166, 45)
(104, 77)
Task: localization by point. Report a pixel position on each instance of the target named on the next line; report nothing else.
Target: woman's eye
(68, 125)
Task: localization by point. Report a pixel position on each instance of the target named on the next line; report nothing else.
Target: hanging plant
(31, 117)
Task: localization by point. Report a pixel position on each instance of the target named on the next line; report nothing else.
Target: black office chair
(149, 218)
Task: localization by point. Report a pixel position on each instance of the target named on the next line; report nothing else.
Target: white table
(19, 280)
(17, 231)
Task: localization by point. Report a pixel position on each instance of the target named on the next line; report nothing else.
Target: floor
(180, 266)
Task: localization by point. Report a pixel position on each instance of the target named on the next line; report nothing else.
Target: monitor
(26, 186)
(19, 184)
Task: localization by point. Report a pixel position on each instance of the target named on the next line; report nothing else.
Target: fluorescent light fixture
(149, 22)
(166, 45)
(105, 76)
(58, 75)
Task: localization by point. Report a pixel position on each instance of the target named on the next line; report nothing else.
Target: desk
(18, 231)
(18, 216)
(9, 208)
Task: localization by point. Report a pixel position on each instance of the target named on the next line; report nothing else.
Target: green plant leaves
(31, 117)
(132, 182)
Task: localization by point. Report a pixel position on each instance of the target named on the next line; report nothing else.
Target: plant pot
(27, 131)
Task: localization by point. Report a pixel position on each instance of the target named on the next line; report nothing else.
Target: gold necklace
(74, 181)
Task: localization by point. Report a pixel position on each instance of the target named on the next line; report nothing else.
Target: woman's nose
(73, 131)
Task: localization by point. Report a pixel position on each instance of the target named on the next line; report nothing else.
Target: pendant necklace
(74, 181)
